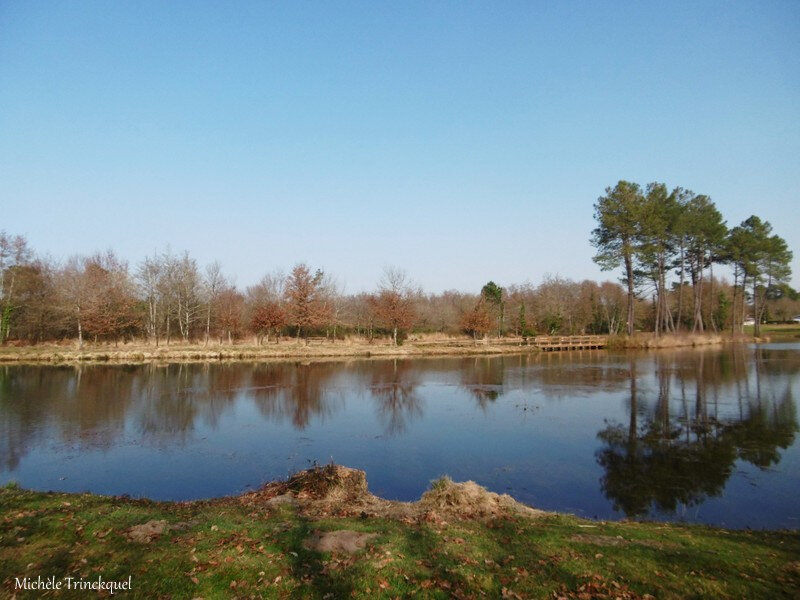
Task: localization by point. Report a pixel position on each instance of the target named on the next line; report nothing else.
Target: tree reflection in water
(297, 391)
(483, 377)
(667, 461)
(686, 419)
(393, 386)
(73, 401)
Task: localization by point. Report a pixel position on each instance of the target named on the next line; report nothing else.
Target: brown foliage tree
(230, 312)
(267, 318)
(109, 302)
(477, 321)
(305, 300)
(394, 305)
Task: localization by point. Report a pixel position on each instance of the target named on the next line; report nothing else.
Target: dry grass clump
(648, 341)
(470, 500)
(681, 340)
(337, 490)
(331, 483)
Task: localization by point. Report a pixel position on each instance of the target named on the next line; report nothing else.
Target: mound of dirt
(331, 483)
(331, 489)
(470, 500)
(341, 491)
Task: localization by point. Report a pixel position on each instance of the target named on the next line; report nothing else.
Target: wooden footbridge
(569, 342)
(545, 343)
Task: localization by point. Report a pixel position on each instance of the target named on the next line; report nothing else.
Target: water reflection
(662, 431)
(483, 377)
(33, 400)
(299, 392)
(661, 460)
(393, 386)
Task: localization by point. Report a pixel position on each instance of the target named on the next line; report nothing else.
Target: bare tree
(180, 287)
(332, 296)
(14, 254)
(230, 309)
(149, 278)
(440, 313)
(522, 304)
(557, 301)
(362, 311)
(74, 292)
(610, 303)
(214, 284)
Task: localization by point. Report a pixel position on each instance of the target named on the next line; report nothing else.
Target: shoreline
(340, 491)
(321, 534)
(141, 353)
(285, 351)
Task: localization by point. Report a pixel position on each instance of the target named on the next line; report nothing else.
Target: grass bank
(649, 341)
(139, 353)
(778, 333)
(314, 538)
(132, 353)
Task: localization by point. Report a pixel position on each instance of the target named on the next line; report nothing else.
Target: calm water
(704, 435)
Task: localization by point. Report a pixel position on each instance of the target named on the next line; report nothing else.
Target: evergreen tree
(705, 238)
(618, 214)
(493, 294)
(761, 258)
(656, 243)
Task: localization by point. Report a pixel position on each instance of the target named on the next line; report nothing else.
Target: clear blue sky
(461, 141)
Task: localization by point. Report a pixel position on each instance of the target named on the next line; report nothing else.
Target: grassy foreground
(255, 546)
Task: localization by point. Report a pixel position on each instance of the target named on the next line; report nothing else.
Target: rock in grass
(343, 540)
(146, 532)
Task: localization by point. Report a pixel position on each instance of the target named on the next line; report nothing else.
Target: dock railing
(543, 342)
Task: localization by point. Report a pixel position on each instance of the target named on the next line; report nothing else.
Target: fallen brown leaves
(598, 588)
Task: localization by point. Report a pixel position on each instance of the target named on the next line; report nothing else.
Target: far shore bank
(139, 352)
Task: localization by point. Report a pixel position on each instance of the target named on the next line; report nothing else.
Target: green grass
(223, 549)
(778, 333)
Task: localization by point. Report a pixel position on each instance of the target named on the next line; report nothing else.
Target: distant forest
(666, 243)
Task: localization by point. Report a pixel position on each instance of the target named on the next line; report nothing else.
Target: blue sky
(462, 141)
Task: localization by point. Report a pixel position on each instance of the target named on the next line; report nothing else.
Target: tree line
(668, 242)
(168, 298)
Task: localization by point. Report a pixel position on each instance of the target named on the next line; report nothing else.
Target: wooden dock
(542, 342)
(569, 342)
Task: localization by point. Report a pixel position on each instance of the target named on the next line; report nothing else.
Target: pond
(704, 436)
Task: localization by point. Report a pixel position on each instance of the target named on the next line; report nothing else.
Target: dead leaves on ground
(598, 587)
